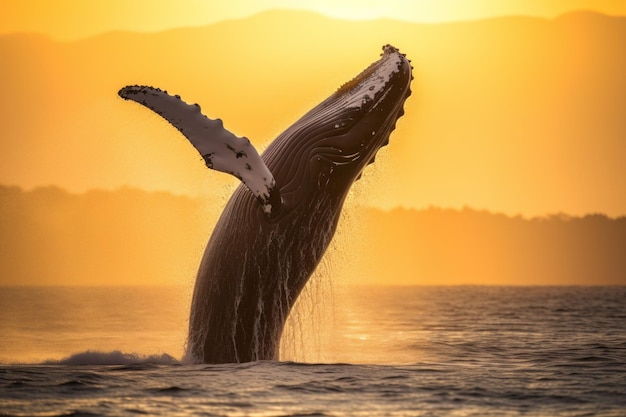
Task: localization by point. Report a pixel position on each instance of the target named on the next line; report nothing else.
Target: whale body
(278, 223)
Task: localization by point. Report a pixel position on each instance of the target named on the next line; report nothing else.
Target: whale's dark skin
(255, 265)
(279, 222)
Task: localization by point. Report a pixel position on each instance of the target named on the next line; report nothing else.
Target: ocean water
(353, 351)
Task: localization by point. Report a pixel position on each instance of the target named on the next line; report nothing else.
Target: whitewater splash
(116, 357)
(279, 222)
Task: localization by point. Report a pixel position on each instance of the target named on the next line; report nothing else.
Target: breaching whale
(277, 225)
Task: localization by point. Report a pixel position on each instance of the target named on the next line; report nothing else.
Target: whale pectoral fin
(220, 148)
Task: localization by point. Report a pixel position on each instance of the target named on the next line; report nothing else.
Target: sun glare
(72, 19)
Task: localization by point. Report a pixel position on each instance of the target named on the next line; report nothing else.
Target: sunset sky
(74, 19)
(502, 180)
(521, 116)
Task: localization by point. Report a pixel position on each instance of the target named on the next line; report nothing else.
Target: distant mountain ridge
(444, 246)
(517, 114)
(131, 237)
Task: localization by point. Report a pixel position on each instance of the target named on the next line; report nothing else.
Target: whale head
(328, 148)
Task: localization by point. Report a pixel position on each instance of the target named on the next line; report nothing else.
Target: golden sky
(508, 123)
(526, 122)
(74, 19)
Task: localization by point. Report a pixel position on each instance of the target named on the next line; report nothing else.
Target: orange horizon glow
(68, 20)
(141, 150)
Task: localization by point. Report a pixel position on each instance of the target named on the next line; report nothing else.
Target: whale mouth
(363, 112)
(332, 143)
(369, 87)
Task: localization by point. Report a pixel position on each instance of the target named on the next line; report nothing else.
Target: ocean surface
(353, 351)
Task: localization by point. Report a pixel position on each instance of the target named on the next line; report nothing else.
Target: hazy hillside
(515, 114)
(48, 236)
(439, 246)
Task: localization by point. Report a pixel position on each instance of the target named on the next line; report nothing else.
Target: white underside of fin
(221, 149)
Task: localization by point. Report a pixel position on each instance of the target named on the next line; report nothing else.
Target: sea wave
(116, 357)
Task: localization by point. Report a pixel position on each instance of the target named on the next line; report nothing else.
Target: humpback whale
(278, 223)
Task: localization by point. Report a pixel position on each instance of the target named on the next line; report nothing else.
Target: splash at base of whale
(279, 222)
